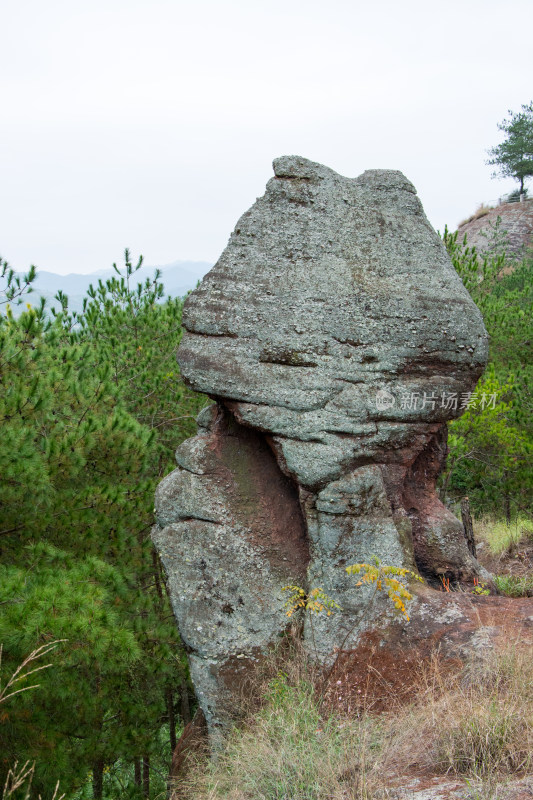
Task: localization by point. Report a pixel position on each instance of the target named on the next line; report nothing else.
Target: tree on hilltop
(514, 157)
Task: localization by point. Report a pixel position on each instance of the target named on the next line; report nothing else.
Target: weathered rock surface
(337, 340)
(231, 535)
(513, 232)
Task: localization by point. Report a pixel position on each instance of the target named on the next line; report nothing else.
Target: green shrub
(514, 586)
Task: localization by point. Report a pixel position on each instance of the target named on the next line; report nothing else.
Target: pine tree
(491, 445)
(514, 156)
(91, 409)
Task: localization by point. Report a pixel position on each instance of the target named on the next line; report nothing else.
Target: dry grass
(481, 211)
(291, 751)
(18, 782)
(478, 725)
(290, 747)
(502, 538)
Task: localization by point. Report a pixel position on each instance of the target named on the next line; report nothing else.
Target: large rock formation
(337, 340)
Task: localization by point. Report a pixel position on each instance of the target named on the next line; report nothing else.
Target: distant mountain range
(177, 278)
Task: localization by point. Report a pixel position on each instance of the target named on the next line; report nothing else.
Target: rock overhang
(332, 293)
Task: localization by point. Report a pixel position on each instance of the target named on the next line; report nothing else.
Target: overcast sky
(152, 124)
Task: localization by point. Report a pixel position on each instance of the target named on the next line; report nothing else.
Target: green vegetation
(19, 777)
(515, 585)
(503, 538)
(491, 445)
(92, 407)
(514, 157)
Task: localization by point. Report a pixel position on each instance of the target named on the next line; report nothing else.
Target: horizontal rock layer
(331, 290)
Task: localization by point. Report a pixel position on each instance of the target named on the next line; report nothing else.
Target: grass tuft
(515, 585)
(291, 751)
(481, 211)
(503, 538)
(477, 726)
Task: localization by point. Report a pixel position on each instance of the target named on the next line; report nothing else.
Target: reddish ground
(387, 667)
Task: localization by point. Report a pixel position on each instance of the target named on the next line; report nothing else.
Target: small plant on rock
(314, 601)
(386, 579)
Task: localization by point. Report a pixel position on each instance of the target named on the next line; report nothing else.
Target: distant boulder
(506, 228)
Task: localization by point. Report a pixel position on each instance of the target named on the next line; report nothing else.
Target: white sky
(152, 124)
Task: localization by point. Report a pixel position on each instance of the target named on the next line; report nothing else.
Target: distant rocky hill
(515, 228)
(178, 278)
